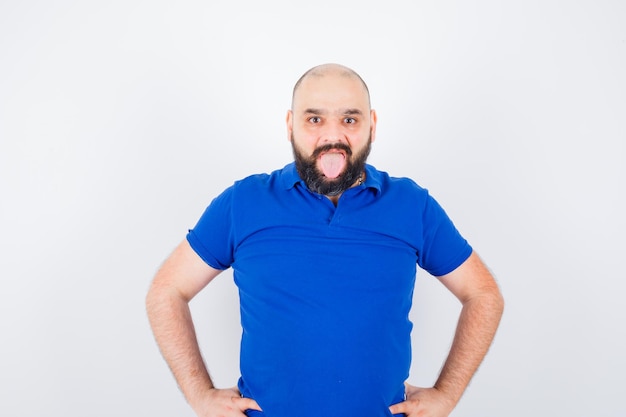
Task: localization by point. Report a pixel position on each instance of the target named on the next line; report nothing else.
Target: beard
(317, 182)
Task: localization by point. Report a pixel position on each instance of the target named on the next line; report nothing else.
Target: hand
(224, 403)
(423, 402)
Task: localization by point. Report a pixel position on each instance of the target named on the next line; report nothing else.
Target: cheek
(358, 140)
(304, 139)
(304, 146)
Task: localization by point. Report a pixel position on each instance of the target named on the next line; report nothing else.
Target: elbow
(152, 300)
(162, 297)
(156, 298)
(498, 298)
(496, 304)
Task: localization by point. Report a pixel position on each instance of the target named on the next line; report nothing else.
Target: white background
(121, 120)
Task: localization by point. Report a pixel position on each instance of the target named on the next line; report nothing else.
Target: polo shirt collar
(291, 177)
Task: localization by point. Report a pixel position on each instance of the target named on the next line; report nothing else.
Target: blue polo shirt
(325, 291)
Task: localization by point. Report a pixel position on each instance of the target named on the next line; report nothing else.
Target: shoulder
(259, 187)
(392, 187)
(273, 179)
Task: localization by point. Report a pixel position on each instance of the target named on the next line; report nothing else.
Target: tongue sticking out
(332, 164)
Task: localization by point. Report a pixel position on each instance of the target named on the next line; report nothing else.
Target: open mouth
(332, 163)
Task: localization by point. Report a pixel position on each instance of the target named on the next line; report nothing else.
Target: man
(324, 253)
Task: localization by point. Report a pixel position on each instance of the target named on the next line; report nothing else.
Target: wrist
(197, 395)
(449, 394)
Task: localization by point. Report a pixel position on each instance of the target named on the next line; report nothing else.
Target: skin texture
(180, 278)
(476, 289)
(330, 105)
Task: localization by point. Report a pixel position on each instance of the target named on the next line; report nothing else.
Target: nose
(333, 133)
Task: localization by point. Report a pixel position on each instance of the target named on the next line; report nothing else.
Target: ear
(289, 122)
(373, 120)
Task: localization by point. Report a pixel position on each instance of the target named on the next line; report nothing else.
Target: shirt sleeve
(212, 237)
(444, 249)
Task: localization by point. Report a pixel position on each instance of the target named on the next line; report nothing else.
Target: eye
(349, 120)
(315, 119)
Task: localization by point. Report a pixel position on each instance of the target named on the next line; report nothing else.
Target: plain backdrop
(121, 120)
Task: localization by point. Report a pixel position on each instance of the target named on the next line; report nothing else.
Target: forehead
(331, 92)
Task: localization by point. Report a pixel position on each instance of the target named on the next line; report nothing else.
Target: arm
(180, 278)
(482, 308)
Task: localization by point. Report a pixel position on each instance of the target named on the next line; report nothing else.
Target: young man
(324, 253)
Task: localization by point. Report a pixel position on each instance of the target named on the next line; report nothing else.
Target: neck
(359, 181)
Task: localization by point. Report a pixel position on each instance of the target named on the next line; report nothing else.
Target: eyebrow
(345, 112)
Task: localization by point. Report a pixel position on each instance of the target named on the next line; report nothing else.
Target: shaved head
(325, 70)
(331, 127)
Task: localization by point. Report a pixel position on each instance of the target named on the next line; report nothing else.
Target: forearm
(475, 331)
(175, 334)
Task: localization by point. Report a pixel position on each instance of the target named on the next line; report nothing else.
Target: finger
(399, 408)
(405, 407)
(247, 404)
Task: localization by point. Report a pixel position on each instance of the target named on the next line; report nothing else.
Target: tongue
(332, 164)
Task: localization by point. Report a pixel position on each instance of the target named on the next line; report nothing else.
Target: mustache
(331, 146)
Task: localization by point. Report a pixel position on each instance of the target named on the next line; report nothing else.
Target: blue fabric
(325, 291)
